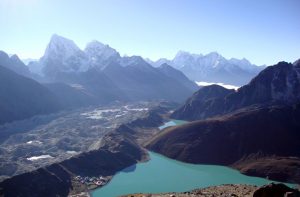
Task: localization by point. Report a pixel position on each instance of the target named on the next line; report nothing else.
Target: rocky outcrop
(276, 190)
(278, 84)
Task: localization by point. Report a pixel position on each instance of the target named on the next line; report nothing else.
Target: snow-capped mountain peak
(100, 54)
(213, 67)
(63, 55)
(61, 46)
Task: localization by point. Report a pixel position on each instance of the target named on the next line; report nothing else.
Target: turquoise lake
(161, 174)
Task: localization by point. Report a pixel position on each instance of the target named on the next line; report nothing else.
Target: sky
(263, 31)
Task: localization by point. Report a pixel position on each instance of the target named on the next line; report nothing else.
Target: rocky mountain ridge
(275, 84)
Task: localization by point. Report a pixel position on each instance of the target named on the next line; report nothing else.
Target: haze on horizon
(264, 32)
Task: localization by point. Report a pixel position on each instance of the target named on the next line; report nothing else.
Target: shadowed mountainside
(227, 139)
(21, 97)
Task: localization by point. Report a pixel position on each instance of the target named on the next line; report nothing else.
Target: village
(93, 182)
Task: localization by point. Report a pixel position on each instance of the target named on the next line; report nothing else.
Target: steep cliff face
(275, 84)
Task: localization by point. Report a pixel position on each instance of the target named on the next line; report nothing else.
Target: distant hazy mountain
(275, 84)
(101, 71)
(14, 63)
(21, 97)
(213, 68)
(26, 61)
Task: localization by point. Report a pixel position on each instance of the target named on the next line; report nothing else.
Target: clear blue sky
(263, 31)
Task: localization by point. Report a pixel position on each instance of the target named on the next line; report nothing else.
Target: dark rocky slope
(21, 97)
(208, 97)
(275, 84)
(273, 167)
(272, 130)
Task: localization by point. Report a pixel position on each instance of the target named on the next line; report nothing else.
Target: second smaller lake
(172, 123)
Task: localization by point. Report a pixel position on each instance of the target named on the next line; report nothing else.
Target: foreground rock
(276, 190)
(222, 190)
(232, 190)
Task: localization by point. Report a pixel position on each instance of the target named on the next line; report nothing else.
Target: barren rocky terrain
(39, 141)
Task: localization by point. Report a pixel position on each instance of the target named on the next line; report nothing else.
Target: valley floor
(42, 140)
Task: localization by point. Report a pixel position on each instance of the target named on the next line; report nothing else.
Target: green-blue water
(162, 174)
(172, 122)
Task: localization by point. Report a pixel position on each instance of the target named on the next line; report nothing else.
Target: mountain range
(69, 77)
(100, 71)
(63, 55)
(212, 67)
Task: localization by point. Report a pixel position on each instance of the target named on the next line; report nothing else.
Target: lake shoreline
(213, 176)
